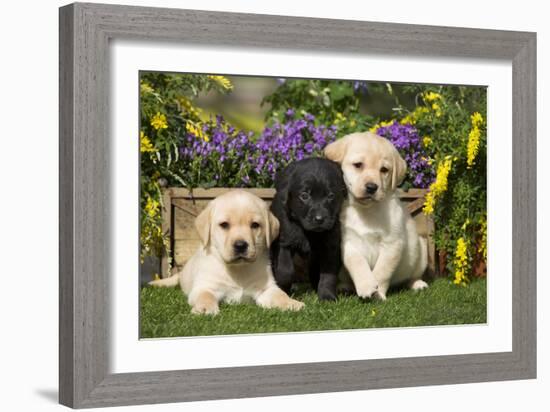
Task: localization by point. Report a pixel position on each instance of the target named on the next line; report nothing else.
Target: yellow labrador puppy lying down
(380, 244)
(232, 264)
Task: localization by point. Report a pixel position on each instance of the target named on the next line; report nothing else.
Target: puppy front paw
(326, 294)
(418, 284)
(367, 290)
(293, 305)
(294, 238)
(379, 295)
(205, 309)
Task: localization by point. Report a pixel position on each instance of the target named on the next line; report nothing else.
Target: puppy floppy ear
(203, 223)
(271, 227)
(336, 150)
(399, 169)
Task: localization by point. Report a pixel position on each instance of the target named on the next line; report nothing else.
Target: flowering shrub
(452, 122)
(340, 103)
(166, 112)
(220, 155)
(214, 155)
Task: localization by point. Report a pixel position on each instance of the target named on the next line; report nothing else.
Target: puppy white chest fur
(365, 230)
(385, 237)
(230, 283)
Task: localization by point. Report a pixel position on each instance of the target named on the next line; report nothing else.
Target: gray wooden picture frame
(85, 31)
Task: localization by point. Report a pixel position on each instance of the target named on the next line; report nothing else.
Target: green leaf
(339, 91)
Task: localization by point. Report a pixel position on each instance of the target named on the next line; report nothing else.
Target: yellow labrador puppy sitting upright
(232, 265)
(380, 244)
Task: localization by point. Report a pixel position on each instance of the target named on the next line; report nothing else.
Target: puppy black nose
(318, 219)
(371, 188)
(240, 246)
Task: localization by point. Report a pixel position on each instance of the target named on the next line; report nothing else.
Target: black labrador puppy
(307, 203)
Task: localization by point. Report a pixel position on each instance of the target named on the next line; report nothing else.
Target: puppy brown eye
(358, 165)
(330, 196)
(224, 225)
(384, 170)
(304, 196)
(254, 225)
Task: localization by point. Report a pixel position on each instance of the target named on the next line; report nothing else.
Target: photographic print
(291, 204)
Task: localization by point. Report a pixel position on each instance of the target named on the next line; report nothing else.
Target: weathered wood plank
(200, 193)
(167, 223)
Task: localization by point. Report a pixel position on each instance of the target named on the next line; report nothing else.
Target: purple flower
(360, 86)
(407, 141)
(309, 117)
(237, 158)
(282, 143)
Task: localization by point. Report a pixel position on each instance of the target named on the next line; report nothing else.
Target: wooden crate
(182, 206)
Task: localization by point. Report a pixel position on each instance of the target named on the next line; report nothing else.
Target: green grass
(164, 312)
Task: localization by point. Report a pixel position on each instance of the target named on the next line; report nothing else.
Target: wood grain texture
(524, 206)
(167, 223)
(199, 193)
(85, 30)
(66, 214)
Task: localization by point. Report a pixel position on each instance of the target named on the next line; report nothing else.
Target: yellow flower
(197, 131)
(222, 81)
(437, 109)
(439, 186)
(431, 97)
(352, 123)
(159, 121)
(188, 107)
(473, 146)
(483, 243)
(152, 207)
(427, 140)
(429, 203)
(477, 119)
(461, 262)
(473, 139)
(145, 144)
(145, 88)
(375, 128)
(339, 118)
(415, 115)
(408, 119)
(428, 160)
